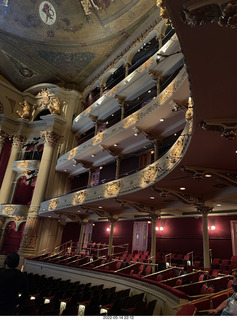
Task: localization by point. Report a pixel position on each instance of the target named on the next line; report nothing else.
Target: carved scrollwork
(224, 13)
(8, 210)
(30, 233)
(98, 138)
(176, 150)
(130, 120)
(72, 153)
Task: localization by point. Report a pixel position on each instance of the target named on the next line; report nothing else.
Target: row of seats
(51, 296)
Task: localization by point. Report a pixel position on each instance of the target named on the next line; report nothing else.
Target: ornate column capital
(155, 74)
(204, 210)
(50, 137)
(3, 136)
(120, 99)
(18, 141)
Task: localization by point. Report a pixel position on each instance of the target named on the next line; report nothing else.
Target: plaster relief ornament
(47, 13)
(25, 113)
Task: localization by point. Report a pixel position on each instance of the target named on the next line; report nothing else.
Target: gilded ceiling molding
(79, 197)
(226, 127)
(185, 198)
(112, 189)
(229, 177)
(222, 12)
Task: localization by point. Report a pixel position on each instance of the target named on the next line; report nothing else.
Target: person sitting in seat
(229, 306)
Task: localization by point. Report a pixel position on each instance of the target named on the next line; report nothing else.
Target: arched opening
(24, 191)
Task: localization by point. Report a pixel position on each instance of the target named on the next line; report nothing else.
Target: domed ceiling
(65, 41)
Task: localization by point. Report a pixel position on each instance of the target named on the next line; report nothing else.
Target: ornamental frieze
(112, 189)
(53, 204)
(23, 164)
(79, 197)
(176, 150)
(165, 94)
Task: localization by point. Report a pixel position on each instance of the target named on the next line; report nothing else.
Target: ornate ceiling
(65, 41)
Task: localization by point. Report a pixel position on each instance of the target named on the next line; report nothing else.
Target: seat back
(187, 310)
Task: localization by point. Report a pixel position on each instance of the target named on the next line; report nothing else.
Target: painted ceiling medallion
(47, 13)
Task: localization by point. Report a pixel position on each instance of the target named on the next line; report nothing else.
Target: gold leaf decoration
(112, 189)
(98, 138)
(130, 120)
(8, 209)
(72, 153)
(79, 197)
(53, 204)
(166, 93)
(149, 175)
(176, 150)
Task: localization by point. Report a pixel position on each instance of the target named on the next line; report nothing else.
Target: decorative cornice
(226, 127)
(223, 12)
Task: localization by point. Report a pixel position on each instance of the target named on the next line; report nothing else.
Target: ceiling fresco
(65, 41)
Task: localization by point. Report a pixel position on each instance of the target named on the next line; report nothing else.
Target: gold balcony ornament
(98, 138)
(23, 164)
(189, 112)
(130, 120)
(25, 111)
(176, 150)
(53, 204)
(88, 110)
(8, 210)
(163, 12)
(112, 189)
(145, 66)
(164, 95)
(72, 153)
(79, 197)
(149, 174)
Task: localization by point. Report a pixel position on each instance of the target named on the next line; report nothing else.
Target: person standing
(12, 282)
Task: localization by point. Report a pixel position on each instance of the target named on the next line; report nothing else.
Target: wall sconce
(108, 229)
(212, 226)
(162, 225)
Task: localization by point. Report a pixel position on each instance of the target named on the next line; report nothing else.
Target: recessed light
(115, 145)
(149, 91)
(152, 198)
(235, 151)
(65, 170)
(162, 119)
(182, 188)
(152, 151)
(78, 210)
(92, 155)
(218, 205)
(101, 167)
(135, 134)
(100, 207)
(208, 175)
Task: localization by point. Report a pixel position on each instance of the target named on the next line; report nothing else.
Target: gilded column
(127, 65)
(111, 235)
(83, 224)
(29, 241)
(206, 252)
(6, 188)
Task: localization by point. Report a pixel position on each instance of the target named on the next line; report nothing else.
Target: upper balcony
(134, 85)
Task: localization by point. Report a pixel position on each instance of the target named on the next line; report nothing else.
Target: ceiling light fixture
(115, 145)
(208, 175)
(162, 119)
(182, 188)
(152, 198)
(93, 155)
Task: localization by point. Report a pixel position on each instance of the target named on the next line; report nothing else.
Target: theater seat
(187, 310)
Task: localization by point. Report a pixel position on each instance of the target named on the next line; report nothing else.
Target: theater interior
(118, 151)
